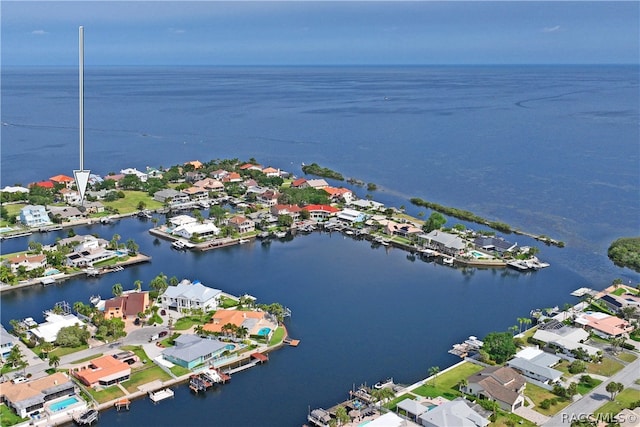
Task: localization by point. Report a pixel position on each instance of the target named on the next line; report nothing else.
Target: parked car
(163, 312)
(19, 379)
(137, 321)
(163, 334)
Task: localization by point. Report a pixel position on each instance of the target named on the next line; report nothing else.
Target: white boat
(159, 395)
(178, 244)
(448, 261)
(243, 241)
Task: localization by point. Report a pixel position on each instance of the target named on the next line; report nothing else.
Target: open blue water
(551, 150)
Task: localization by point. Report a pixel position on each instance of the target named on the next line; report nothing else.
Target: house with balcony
(30, 397)
(189, 295)
(143, 177)
(127, 304)
(268, 198)
(242, 224)
(320, 213)
(34, 216)
(29, 262)
(191, 351)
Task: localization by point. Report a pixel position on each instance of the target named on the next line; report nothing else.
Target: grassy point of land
(131, 201)
(277, 336)
(446, 384)
(107, 394)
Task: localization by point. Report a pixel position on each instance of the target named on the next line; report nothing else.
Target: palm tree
(433, 372)
(54, 361)
(117, 289)
(45, 348)
(462, 384)
(78, 307)
(137, 285)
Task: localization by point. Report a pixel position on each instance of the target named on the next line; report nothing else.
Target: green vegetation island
(625, 252)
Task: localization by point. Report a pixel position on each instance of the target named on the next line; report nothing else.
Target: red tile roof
(324, 208)
(61, 178)
(44, 184)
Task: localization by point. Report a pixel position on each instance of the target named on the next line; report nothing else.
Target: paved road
(598, 397)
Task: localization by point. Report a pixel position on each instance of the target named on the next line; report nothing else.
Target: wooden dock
(291, 342)
(122, 403)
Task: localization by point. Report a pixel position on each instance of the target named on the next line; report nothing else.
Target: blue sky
(319, 32)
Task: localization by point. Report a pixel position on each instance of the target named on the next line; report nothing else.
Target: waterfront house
(169, 195)
(497, 244)
(93, 207)
(503, 385)
(191, 351)
(563, 339)
(65, 213)
(318, 184)
(351, 216)
(48, 330)
(407, 230)
(196, 194)
(268, 198)
(83, 242)
(250, 166)
(604, 325)
(617, 302)
(242, 224)
(7, 341)
(339, 194)
(116, 177)
(442, 242)
(271, 172)
(298, 183)
(257, 323)
(453, 413)
(153, 173)
(30, 397)
(367, 204)
(412, 408)
(14, 189)
(133, 171)
(197, 164)
(292, 210)
(321, 213)
(179, 220)
(209, 184)
(103, 371)
(65, 180)
(87, 256)
(188, 295)
(536, 365)
(127, 304)
(29, 262)
(43, 184)
(34, 216)
(205, 230)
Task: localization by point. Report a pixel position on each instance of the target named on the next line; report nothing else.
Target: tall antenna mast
(81, 175)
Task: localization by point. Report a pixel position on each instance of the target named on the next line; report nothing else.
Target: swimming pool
(478, 254)
(59, 406)
(51, 272)
(230, 347)
(264, 332)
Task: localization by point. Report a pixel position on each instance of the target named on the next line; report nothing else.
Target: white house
(29, 262)
(133, 171)
(351, 216)
(188, 295)
(454, 413)
(206, 229)
(48, 331)
(34, 216)
(536, 364)
(179, 220)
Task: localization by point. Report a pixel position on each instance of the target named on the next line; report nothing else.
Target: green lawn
(607, 368)
(504, 417)
(446, 384)
(144, 376)
(179, 371)
(138, 350)
(622, 400)
(131, 201)
(187, 322)
(391, 405)
(627, 357)
(584, 389)
(63, 351)
(107, 394)
(538, 394)
(277, 336)
(8, 417)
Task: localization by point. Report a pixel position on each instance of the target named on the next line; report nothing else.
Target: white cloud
(551, 29)
(39, 32)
